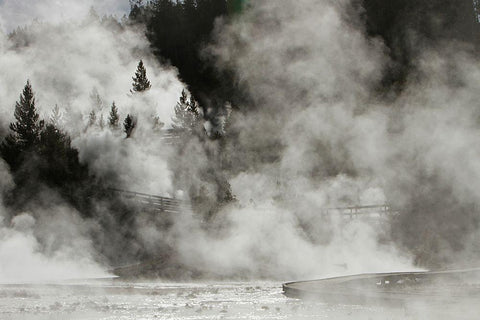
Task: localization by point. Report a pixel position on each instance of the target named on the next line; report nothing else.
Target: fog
(83, 66)
(53, 247)
(313, 74)
(315, 134)
(17, 13)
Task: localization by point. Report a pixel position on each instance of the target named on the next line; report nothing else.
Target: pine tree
(140, 81)
(27, 127)
(58, 164)
(187, 114)
(113, 119)
(128, 125)
(56, 116)
(25, 131)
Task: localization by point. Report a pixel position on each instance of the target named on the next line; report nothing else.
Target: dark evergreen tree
(140, 81)
(128, 125)
(58, 162)
(136, 10)
(178, 30)
(27, 126)
(41, 155)
(25, 131)
(113, 118)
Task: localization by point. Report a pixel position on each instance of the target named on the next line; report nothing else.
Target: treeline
(46, 169)
(409, 27)
(39, 152)
(178, 31)
(140, 84)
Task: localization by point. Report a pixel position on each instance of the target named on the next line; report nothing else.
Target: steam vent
(391, 288)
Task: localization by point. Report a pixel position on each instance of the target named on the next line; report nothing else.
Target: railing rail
(157, 203)
(166, 204)
(354, 211)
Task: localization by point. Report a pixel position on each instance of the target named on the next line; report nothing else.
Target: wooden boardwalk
(362, 211)
(155, 203)
(171, 205)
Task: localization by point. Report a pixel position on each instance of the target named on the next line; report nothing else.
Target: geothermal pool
(108, 299)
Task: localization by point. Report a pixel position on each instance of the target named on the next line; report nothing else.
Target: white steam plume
(310, 72)
(329, 140)
(53, 246)
(82, 66)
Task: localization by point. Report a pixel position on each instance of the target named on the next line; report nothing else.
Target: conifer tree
(140, 81)
(128, 125)
(25, 131)
(26, 128)
(187, 114)
(56, 116)
(58, 164)
(113, 119)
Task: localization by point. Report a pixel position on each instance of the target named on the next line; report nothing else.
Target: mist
(314, 133)
(76, 68)
(92, 67)
(44, 245)
(318, 134)
(19, 13)
(313, 138)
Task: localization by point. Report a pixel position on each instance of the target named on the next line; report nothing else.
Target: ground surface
(109, 299)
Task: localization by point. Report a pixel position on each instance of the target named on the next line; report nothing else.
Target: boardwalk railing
(156, 203)
(171, 205)
(171, 136)
(357, 211)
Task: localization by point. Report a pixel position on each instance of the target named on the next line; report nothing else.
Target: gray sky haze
(14, 13)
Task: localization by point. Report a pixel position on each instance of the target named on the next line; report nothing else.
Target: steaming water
(157, 300)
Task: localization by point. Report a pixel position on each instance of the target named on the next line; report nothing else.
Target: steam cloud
(17, 13)
(83, 66)
(55, 246)
(312, 138)
(316, 135)
(91, 66)
(319, 135)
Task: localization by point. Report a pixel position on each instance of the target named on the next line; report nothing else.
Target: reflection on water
(118, 300)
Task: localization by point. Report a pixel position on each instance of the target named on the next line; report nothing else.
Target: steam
(18, 13)
(317, 135)
(77, 67)
(53, 246)
(92, 66)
